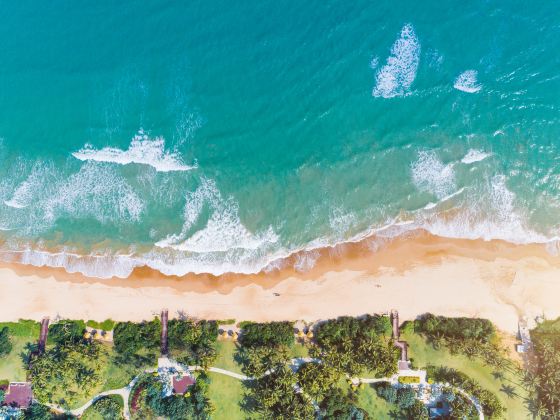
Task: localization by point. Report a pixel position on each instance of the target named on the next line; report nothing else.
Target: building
(19, 394)
(182, 383)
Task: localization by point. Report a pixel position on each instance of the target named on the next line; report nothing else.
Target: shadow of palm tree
(509, 391)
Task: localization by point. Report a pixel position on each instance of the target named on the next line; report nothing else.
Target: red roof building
(19, 394)
(181, 384)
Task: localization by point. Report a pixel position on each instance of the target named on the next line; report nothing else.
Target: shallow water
(202, 137)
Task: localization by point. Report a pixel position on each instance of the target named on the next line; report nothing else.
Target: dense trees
(193, 343)
(137, 343)
(481, 330)
(5, 343)
(66, 332)
(267, 334)
(354, 345)
(67, 372)
(405, 400)
(338, 405)
(274, 396)
(543, 375)
(491, 406)
(193, 405)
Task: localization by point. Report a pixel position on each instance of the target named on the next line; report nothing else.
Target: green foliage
(196, 342)
(2, 396)
(387, 392)
(130, 337)
(353, 345)
(338, 405)
(66, 373)
(255, 361)
(178, 407)
(22, 328)
(417, 411)
(478, 329)
(38, 411)
(406, 397)
(267, 334)
(66, 332)
(543, 376)
(273, 396)
(409, 379)
(109, 408)
(316, 379)
(5, 343)
(491, 406)
(106, 325)
(460, 407)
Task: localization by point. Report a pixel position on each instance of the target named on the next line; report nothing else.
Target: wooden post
(164, 316)
(43, 335)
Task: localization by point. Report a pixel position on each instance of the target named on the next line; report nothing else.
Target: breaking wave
(142, 150)
(431, 175)
(467, 82)
(473, 156)
(397, 75)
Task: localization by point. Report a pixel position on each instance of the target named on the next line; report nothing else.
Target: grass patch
(225, 359)
(106, 325)
(508, 388)
(376, 407)
(21, 333)
(299, 350)
(226, 394)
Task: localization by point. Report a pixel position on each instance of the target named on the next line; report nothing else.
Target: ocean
(217, 137)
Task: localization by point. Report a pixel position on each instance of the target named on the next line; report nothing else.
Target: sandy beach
(418, 274)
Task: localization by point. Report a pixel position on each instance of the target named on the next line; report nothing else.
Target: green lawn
(299, 350)
(422, 354)
(225, 358)
(21, 333)
(226, 394)
(375, 406)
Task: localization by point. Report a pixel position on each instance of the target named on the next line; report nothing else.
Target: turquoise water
(216, 137)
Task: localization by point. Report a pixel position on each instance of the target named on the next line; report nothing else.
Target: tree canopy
(267, 334)
(5, 342)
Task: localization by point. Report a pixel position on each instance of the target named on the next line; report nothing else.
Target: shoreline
(415, 274)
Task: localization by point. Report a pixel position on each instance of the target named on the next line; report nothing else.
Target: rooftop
(19, 394)
(181, 384)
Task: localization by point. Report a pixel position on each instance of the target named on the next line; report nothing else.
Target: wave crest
(142, 150)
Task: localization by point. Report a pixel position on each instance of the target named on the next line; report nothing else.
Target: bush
(267, 334)
(406, 397)
(130, 337)
(109, 408)
(481, 330)
(66, 331)
(387, 392)
(409, 379)
(5, 343)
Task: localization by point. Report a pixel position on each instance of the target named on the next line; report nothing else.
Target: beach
(416, 274)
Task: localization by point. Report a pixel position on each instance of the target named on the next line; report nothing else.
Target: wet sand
(415, 274)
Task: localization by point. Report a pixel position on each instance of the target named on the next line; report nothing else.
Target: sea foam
(474, 156)
(142, 150)
(467, 82)
(431, 175)
(397, 75)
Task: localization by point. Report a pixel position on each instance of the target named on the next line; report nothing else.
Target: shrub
(267, 334)
(66, 331)
(5, 343)
(409, 379)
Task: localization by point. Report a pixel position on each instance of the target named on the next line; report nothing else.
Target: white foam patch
(305, 261)
(475, 156)
(223, 231)
(431, 175)
(142, 150)
(27, 191)
(95, 191)
(467, 82)
(396, 77)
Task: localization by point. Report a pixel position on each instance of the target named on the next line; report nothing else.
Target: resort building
(19, 394)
